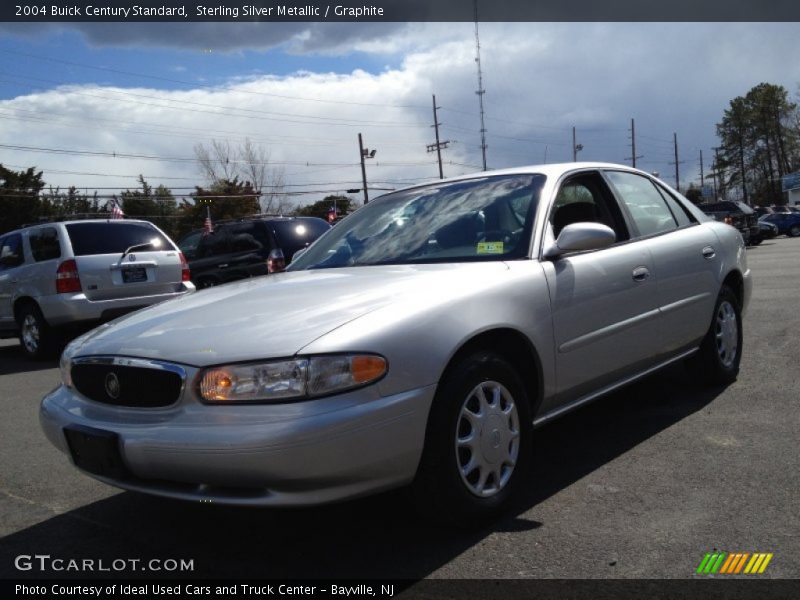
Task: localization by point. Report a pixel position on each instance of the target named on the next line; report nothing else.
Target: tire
(794, 231)
(206, 283)
(717, 360)
(37, 338)
(755, 241)
(445, 488)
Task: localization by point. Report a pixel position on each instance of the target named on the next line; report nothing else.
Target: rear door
(234, 251)
(604, 302)
(106, 274)
(684, 255)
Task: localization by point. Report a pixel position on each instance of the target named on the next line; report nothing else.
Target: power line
(124, 155)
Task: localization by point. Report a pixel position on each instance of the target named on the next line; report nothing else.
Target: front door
(604, 302)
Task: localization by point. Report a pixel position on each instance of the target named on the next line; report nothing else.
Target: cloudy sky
(110, 101)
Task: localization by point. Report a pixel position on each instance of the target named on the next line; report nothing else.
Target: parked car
(737, 214)
(787, 223)
(77, 274)
(762, 210)
(767, 230)
(417, 343)
(247, 247)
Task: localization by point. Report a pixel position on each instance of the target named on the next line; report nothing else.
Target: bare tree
(251, 164)
(217, 162)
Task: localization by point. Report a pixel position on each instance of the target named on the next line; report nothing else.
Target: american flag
(116, 211)
(208, 226)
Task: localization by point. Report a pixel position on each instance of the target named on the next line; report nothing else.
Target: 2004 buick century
(419, 343)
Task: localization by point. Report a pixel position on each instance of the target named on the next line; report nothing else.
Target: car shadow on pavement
(377, 537)
(13, 360)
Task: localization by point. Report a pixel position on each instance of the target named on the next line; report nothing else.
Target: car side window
(214, 244)
(645, 204)
(44, 244)
(11, 251)
(682, 216)
(586, 198)
(190, 243)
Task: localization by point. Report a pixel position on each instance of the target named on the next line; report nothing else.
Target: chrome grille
(121, 381)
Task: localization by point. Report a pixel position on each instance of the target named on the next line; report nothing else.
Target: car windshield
(490, 218)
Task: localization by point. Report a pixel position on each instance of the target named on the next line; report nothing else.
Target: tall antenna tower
(480, 91)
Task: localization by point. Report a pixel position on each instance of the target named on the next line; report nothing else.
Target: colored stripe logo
(734, 563)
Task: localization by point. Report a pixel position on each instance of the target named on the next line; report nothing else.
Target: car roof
(551, 170)
(72, 222)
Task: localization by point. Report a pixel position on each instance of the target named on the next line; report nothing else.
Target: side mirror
(580, 237)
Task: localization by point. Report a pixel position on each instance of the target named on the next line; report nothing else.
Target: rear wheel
(206, 283)
(794, 231)
(478, 442)
(717, 360)
(38, 339)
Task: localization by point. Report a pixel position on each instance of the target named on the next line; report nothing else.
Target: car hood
(269, 317)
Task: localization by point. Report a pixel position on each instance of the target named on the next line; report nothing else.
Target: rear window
(297, 233)
(112, 238)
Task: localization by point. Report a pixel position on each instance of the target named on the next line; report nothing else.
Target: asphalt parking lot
(640, 484)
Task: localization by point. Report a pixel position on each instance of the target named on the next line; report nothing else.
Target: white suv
(81, 273)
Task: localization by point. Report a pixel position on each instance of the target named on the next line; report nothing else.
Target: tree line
(242, 183)
(759, 144)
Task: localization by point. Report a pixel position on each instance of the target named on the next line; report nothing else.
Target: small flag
(116, 211)
(208, 226)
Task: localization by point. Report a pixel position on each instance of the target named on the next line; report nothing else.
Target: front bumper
(292, 454)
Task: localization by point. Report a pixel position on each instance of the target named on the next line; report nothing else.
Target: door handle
(641, 273)
(222, 266)
(709, 252)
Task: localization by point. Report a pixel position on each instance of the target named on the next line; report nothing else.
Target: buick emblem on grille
(112, 385)
(131, 257)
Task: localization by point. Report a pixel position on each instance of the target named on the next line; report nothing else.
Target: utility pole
(438, 145)
(676, 163)
(365, 153)
(702, 174)
(480, 91)
(576, 147)
(633, 145)
(716, 173)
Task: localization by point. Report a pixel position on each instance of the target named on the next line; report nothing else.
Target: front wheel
(717, 360)
(478, 442)
(794, 231)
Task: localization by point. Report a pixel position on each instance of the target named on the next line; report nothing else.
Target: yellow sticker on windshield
(490, 247)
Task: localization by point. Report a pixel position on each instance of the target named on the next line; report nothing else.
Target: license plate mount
(96, 451)
(134, 274)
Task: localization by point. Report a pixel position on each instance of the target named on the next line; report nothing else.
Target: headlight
(290, 379)
(65, 366)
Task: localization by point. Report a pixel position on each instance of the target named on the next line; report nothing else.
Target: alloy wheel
(30, 333)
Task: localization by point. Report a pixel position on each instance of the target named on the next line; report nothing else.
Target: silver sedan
(418, 343)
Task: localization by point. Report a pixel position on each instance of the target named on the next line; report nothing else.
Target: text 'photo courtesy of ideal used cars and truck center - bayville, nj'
(287, 294)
